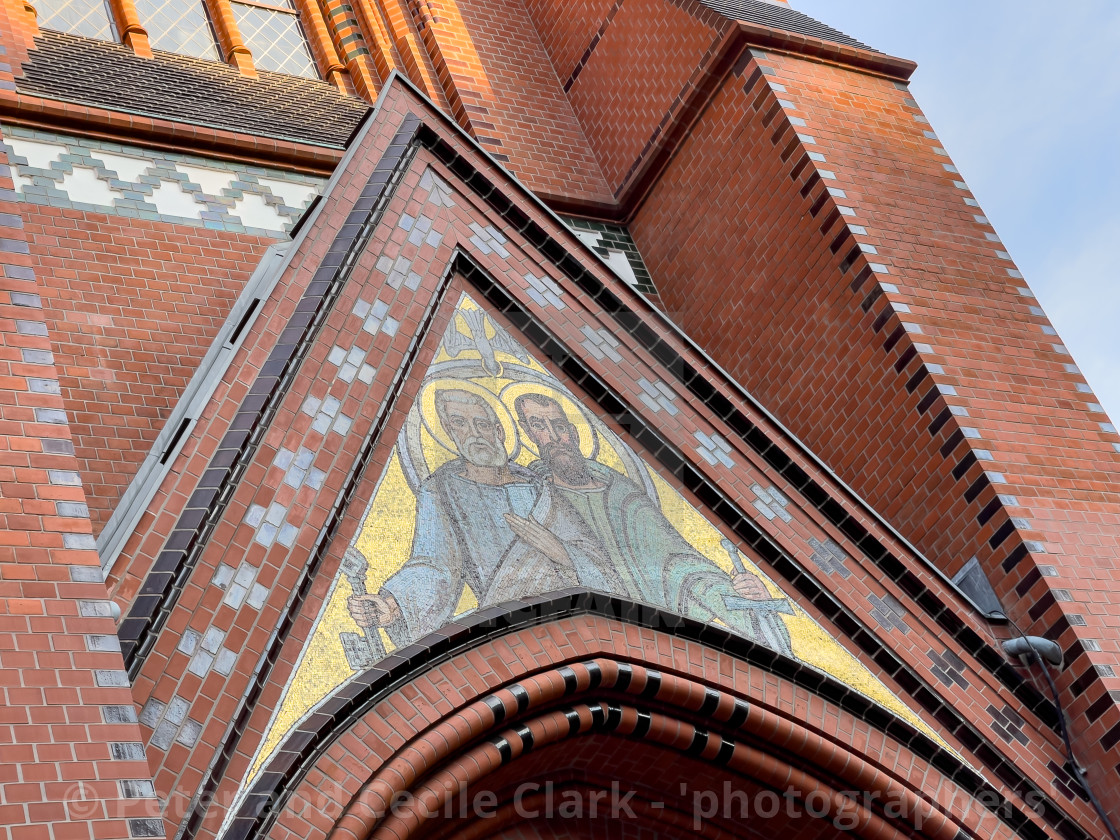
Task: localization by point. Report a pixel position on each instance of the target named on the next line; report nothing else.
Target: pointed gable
(438, 410)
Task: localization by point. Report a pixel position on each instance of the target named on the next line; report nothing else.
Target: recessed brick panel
(132, 306)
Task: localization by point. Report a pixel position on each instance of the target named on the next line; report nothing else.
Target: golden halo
(588, 437)
(430, 418)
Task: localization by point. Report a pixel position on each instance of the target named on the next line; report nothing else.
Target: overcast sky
(1025, 96)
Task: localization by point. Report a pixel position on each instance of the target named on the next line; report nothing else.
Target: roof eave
(865, 60)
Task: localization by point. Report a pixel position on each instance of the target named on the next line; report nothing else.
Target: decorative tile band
(615, 245)
(82, 173)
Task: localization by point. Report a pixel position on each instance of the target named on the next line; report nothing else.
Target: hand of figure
(373, 610)
(539, 537)
(749, 586)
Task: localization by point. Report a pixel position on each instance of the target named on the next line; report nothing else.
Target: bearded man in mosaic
(485, 523)
(654, 562)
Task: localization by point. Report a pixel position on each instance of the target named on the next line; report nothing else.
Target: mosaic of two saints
(518, 492)
(502, 486)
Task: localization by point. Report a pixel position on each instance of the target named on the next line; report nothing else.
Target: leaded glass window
(274, 37)
(78, 17)
(178, 26)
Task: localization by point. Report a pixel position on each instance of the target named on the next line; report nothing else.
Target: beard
(566, 464)
(483, 453)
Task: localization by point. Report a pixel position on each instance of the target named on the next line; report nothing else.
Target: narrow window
(78, 17)
(178, 26)
(273, 34)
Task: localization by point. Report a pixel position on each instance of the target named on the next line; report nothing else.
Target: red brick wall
(503, 87)
(215, 697)
(743, 260)
(68, 731)
(567, 30)
(639, 68)
(741, 252)
(1011, 374)
(132, 306)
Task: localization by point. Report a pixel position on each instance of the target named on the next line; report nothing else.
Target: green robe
(655, 564)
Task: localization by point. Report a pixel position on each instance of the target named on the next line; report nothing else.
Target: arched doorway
(593, 726)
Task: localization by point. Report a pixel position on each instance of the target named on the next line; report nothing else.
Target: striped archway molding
(650, 818)
(644, 704)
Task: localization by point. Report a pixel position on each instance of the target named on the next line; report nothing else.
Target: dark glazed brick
(809, 185)
(1066, 781)
(1103, 703)
(1017, 554)
(1082, 683)
(1030, 579)
(949, 668)
(860, 278)
(1111, 738)
(895, 336)
(988, 512)
(840, 241)
(916, 379)
(850, 260)
(928, 400)
(1008, 724)
(189, 90)
(1001, 534)
(907, 355)
(949, 445)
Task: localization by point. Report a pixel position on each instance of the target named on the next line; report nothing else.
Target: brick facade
(544, 145)
(923, 345)
(830, 360)
(133, 305)
(73, 753)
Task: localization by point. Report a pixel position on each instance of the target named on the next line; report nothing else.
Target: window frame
(211, 24)
(315, 30)
(114, 35)
(295, 11)
(268, 6)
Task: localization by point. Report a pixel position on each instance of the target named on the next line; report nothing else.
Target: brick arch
(429, 775)
(704, 696)
(670, 737)
(629, 790)
(651, 818)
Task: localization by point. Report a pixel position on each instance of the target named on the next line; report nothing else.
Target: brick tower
(525, 419)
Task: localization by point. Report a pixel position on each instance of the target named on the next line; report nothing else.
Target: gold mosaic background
(385, 537)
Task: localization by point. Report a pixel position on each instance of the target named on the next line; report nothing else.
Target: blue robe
(462, 539)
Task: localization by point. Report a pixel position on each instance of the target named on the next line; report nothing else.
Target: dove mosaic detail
(485, 342)
(503, 485)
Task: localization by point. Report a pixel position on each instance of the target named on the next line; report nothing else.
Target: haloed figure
(485, 523)
(653, 561)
